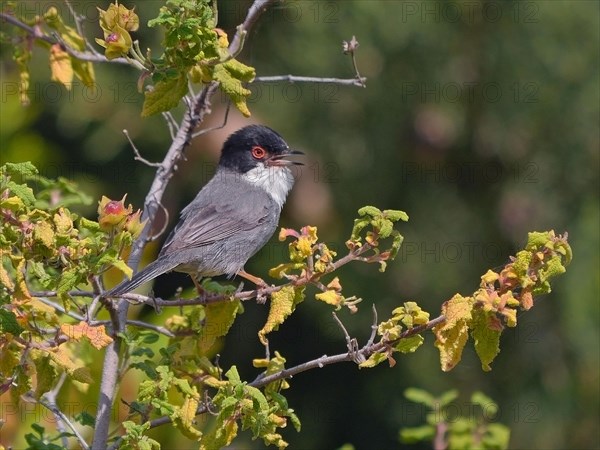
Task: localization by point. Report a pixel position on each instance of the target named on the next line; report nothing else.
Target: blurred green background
(479, 119)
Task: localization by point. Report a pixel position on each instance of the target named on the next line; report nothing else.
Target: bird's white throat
(276, 181)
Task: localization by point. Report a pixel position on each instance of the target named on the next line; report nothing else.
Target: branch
(319, 363)
(199, 108)
(82, 56)
(358, 81)
(254, 12)
(61, 419)
(325, 360)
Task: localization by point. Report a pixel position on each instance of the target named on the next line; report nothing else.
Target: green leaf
(22, 191)
(24, 169)
(420, 396)
(45, 374)
(410, 344)
(395, 215)
(417, 434)
(369, 210)
(68, 280)
(448, 397)
(487, 404)
(123, 267)
(8, 323)
(374, 359)
(486, 339)
(85, 419)
(230, 76)
(219, 318)
(165, 95)
(497, 437)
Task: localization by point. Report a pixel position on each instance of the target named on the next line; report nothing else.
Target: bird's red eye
(258, 152)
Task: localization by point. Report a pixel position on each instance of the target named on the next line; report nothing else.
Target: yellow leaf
(61, 358)
(183, 418)
(96, 335)
(63, 222)
(218, 319)
(44, 234)
(330, 297)
(283, 303)
(60, 66)
(5, 279)
(451, 335)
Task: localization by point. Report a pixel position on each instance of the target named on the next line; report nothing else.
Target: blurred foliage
(479, 119)
(469, 428)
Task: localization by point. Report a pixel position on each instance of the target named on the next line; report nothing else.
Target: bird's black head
(249, 146)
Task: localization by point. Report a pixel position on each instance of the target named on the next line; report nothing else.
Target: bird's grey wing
(206, 221)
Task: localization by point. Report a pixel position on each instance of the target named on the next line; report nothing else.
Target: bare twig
(299, 79)
(138, 156)
(171, 123)
(323, 361)
(254, 12)
(61, 419)
(218, 127)
(373, 327)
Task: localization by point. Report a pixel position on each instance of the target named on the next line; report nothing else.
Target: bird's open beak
(281, 160)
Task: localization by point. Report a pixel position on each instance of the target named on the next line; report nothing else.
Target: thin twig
(208, 130)
(254, 12)
(299, 79)
(61, 418)
(138, 156)
(373, 327)
(171, 123)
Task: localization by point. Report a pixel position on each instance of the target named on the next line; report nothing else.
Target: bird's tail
(148, 273)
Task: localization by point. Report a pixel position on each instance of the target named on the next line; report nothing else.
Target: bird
(234, 214)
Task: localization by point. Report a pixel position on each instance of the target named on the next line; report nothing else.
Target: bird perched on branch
(233, 216)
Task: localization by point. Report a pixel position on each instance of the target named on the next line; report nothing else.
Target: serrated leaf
(370, 211)
(22, 191)
(218, 319)
(95, 335)
(230, 76)
(451, 335)
(486, 339)
(43, 234)
(283, 303)
(24, 169)
(183, 418)
(68, 280)
(8, 323)
(165, 95)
